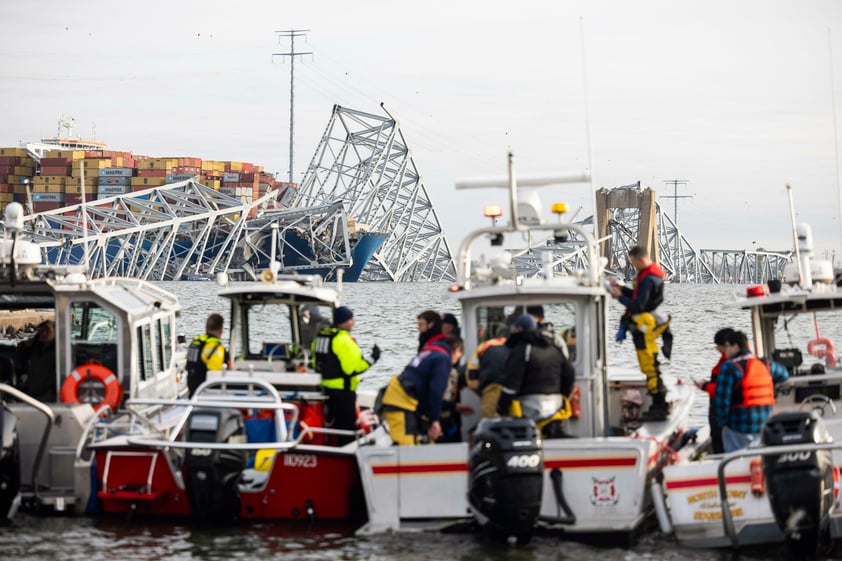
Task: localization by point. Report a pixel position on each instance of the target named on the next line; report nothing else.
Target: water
(385, 315)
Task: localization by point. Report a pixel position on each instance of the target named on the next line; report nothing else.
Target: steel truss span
(363, 161)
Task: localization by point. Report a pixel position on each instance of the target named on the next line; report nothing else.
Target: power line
(291, 34)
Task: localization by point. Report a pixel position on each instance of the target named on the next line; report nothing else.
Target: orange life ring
(821, 347)
(92, 371)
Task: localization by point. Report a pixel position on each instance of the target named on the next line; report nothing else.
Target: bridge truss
(363, 161)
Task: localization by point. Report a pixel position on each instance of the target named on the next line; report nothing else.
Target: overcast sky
(734, 97)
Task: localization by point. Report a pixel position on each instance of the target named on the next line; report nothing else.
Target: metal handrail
(19, 395)
(727, 519)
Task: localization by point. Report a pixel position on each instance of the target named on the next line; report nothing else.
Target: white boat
(507, 477)
(115, 339)
(785, 490)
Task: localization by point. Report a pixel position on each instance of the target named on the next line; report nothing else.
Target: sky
(738, 99)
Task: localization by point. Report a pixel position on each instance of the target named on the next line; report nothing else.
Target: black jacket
(545, 372)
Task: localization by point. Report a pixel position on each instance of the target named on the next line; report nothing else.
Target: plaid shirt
(747, 420)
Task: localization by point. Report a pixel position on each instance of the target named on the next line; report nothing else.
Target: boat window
(557, 321)
(805, 343)
(267, 322)
(94, 334)
(145, 344)
(163, 329)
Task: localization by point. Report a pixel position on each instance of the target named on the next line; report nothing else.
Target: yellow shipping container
(148, 181)
(25, 170)
(213, 184)
(235, 166)
(19, 152)
(48, 188)
(6, 198)
(50, 180)
(158, 163)
(73, 188)
(21, 189)
(72, 154)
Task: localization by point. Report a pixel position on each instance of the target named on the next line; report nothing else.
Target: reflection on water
(386, 316)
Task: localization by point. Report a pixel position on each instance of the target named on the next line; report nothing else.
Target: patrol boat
(592, 477)
(785, 490)
(115, 339)
(251, 443)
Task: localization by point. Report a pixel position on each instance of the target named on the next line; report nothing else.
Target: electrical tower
(291, 34)
(677, 238)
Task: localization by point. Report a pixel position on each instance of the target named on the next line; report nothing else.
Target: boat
(115, 339)
(786, 489)
(507, 478)
(251, 443)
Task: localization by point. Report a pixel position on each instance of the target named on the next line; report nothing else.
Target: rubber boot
(659, 411)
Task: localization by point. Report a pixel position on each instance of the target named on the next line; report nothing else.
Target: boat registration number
(301, 460)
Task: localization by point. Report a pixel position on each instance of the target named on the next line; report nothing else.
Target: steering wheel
(818, 402)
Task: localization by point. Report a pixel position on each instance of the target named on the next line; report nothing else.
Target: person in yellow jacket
(206, 352)
(339, 359)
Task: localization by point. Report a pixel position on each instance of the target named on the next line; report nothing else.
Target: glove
(375, 353)
(621, 333)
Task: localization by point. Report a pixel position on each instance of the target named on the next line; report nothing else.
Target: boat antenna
(588, 126)
(835, 129)
(795, 235)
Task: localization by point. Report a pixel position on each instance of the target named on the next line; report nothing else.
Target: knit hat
(342, 314)
(451, 319)
(525, 322)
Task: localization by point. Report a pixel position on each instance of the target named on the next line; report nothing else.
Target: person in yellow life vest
(485, 370)
(206, 352)
(645, 327)
(339, 359)
(411, 404)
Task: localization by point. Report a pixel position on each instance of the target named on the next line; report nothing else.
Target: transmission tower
(291, 34)
(677, 239)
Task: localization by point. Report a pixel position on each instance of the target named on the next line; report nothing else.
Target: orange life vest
(756, 386)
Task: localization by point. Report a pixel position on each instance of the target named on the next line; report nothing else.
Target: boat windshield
(94, 334)
(558, 321)
(271, 333)
(804, 343)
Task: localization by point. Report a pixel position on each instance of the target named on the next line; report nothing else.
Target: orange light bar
(492, 211)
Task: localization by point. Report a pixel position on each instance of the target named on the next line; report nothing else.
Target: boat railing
(727, 519)
(48, 413)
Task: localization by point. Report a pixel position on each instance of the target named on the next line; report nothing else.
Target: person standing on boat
(38, 356)
(709, 387)
(486, 368)
(206, 352)
(641, 303)
(429, 325)
(339, 359)
(745, 392)
(412, 402)
(538, 379)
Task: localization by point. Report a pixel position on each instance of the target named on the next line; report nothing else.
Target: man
(206, 352)
(449, 325)
(745, 392)
(429, 326)
(640, 303)
(339, 359)
(486, 368)
(38, 357)
(412, 402)
(709, 387)
(538, 378)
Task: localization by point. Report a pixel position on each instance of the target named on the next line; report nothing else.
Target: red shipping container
(56, 170)
(56, 162)
(152, 172)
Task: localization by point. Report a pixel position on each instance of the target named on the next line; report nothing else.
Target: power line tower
(677, 238)
(291, 34)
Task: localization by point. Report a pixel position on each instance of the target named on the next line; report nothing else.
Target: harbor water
(386, 315)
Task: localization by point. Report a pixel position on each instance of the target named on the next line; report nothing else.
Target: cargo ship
(63, 171)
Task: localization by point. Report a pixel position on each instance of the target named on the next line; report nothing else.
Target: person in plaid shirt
(745, 392)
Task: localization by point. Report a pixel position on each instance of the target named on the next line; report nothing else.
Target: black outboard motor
(9, 465)
(506, 476)
(212, 476)
(800, 484)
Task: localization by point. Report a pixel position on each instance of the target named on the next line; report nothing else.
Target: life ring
(821, 347)
(73, 383)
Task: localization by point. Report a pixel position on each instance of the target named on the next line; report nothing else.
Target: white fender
(660, 507)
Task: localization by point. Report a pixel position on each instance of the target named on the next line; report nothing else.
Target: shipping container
(111, 190)
(20, 152)
(176, 177)
(114, 181)
(116, 172)
(230, 177)
(48, 197)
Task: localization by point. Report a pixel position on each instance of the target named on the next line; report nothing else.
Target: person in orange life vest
(429, 325)
(640, 303)
(745, 393)
(339, 359)
(709, 387)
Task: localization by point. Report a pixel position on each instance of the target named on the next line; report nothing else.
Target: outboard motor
(9, 465)
(506, 476)
(800, 484)
(212, 476)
